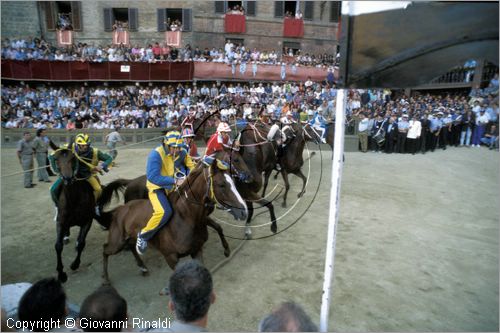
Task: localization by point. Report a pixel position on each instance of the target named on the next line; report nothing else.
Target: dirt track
(417, 246)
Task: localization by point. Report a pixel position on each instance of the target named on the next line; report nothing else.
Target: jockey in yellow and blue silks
(166, 168)
(88, 166)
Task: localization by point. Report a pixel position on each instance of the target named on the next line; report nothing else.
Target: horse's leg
(61, 275)
(84, 230)
(304, 181)
(138, 260)
(248, 231)
(261, 201)
(276, 175)
(284, 174)
(267, 173)
(198, 255)
(216, 226)
(172, 260)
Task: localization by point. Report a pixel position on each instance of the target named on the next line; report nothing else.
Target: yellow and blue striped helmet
(171, 138)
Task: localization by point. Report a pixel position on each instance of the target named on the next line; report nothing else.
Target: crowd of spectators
(136, 106)
(43, 306)
(160, 106)
(40, 49)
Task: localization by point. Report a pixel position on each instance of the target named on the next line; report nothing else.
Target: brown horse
(186, 232)
(260, 156)
(75, 207)
(291, 161)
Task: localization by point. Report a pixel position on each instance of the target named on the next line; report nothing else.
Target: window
(221, 7)
(64, 15)
(294, 46)
(285, 8)
(128, 17)
(335, 11)
(168, 16)
(309, 10)
(236, 41)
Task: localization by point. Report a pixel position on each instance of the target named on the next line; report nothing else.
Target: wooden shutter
(309, 10)
(50, 14)
(187, 20)
(76, 15)
(220, 7)
(161, 14)
(250, 8)
(334, 11)
(279, 7)
(133, 19)
(108, 19)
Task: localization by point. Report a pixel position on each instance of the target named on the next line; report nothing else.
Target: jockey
(220, 139)
(188, 143)
(318, 123)
(286, 121)
(161, 171)
(88, 166)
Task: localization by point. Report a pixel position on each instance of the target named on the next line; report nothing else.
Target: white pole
(338, 152)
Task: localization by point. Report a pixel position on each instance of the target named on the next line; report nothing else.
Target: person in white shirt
(481, 122)
(414, 132)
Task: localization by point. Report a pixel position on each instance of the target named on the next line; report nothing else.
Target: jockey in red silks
(221, 139)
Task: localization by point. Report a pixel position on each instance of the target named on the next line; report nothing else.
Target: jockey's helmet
(223, 128)
(187, 132)
(171, 138)
(82, 139)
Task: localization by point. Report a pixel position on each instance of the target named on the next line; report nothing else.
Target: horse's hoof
(283, 205)
(74, 266)
(144, 271)
(274, 227)
(248, 234)
(227, 253)
(66, 240)
(300, 194)
(164, 292)
(63, 277)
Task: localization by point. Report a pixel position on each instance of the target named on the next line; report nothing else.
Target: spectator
(44, 301)
(103, 311)
(288, 317)
(25, 156)
(191, 295)
(491, 137)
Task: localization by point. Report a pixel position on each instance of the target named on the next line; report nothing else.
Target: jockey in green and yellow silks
(167, 167)
(88, 166)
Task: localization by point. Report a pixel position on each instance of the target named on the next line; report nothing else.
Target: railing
(43, 70)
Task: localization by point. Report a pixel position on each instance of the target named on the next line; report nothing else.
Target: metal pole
(338, 152)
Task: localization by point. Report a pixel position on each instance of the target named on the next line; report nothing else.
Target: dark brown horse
(76, 204)
(260, 156)
(186, 232)
(313, 135)
(291, 161)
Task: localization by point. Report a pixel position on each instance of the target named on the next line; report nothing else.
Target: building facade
(203, 22)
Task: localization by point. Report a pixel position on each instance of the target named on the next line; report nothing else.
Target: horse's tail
(110, 189)
(105, 218)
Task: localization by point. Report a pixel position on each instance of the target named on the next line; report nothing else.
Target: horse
(136, 188)
(313, 135)
(75, 207)
(186, 232)
(201, 126)
(291, 161)
(260, 156)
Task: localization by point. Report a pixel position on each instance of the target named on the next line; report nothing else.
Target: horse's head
(66, 164)
(237, 166)
(311, 135)
(222, 190)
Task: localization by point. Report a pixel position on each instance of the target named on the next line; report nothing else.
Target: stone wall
(264, 31)
(20, 19)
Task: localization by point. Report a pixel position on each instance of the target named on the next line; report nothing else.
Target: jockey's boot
(141, 245)
(323, 140)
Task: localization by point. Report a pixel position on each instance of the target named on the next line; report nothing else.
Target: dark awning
(405, 48)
